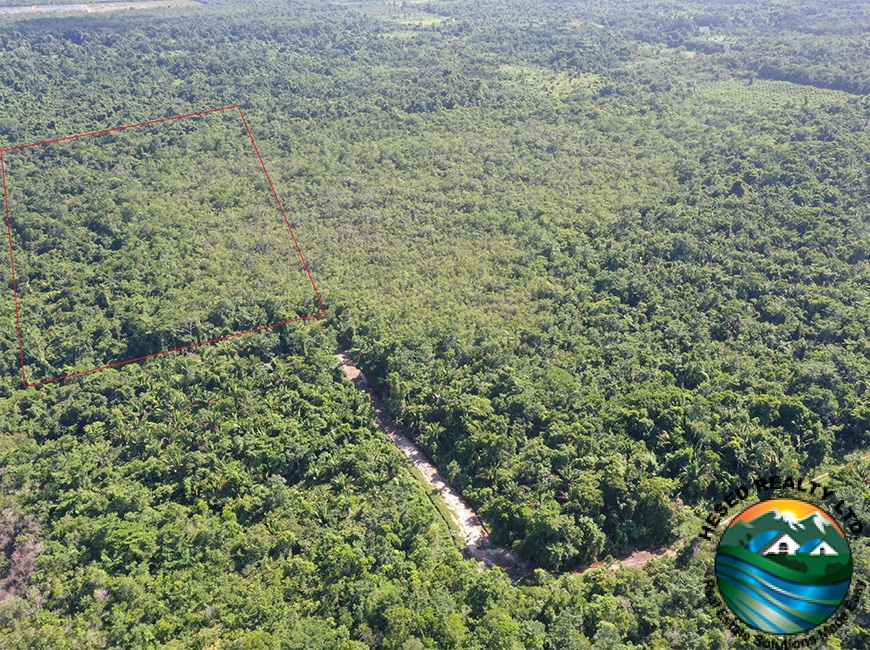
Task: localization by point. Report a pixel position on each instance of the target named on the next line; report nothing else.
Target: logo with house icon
(783, 566)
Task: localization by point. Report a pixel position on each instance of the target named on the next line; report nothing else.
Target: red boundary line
(12, 262)
(281, 207)
(183, 347)
(121, 128)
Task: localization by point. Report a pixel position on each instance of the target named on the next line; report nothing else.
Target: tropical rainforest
(603, 259)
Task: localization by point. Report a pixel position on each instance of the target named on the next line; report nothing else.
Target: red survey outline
(183, 347)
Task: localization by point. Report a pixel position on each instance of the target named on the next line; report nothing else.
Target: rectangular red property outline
(183, 347)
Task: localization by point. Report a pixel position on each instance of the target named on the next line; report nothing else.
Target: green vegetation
(598, 278)
(19, 3)
(171, 236)
(438, 502)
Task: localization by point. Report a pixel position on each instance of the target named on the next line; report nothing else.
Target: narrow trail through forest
(640, 557)
(474, 536)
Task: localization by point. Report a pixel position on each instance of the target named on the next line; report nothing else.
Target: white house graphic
(823, 549)
(782, 545)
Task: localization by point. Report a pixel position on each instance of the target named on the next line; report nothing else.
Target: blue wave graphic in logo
(771, 603)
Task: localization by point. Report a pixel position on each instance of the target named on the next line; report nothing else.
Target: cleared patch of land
(147, 4)
(406, 15)
(549, 82)
(99, 7)
(763, 94)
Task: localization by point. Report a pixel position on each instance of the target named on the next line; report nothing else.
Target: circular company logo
(783, 566)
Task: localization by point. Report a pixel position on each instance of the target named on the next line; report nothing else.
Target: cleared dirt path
(636, 560)
(474, 535)
(639, 558)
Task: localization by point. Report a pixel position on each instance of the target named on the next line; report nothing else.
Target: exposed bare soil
(636, 560)
(474, 535)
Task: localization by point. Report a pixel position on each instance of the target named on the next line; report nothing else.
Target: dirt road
(640, 557)
(636, 560)
(474, 536)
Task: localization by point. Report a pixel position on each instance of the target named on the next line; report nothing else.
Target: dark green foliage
(170, 236)
(602, 259)
(212, 496)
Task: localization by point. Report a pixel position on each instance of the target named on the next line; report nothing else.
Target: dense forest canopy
(170, 236)
(62, 7)
(602, 258)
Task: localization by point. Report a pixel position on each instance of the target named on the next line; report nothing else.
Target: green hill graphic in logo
(783, 566)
